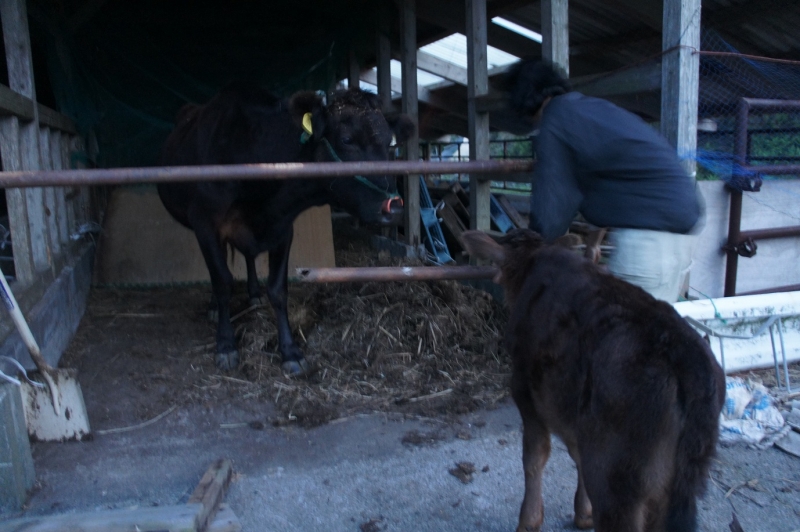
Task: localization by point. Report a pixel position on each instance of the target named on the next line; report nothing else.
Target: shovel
(60, 414)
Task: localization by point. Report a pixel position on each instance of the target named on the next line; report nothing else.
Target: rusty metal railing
(272, 171)
(744, 242)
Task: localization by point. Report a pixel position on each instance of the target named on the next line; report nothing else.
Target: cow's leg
(583, 506)
(253, 289)
(227, 356)
(615, 485)
(535, 452)
(278, 293)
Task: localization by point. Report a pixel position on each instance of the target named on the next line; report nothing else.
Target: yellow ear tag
(307, 124)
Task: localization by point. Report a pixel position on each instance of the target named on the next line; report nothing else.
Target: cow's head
(513, 253)
(353, 128)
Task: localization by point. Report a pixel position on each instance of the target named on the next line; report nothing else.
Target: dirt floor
(409, 382)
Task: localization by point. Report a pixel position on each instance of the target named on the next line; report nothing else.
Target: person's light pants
(657, 261)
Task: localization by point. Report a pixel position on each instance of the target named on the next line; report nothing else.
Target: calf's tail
(701, 398)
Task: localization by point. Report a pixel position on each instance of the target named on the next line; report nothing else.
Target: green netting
(126, 70)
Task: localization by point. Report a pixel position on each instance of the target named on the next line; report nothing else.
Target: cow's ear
(482, 246)
(308, 112)
(402, 126)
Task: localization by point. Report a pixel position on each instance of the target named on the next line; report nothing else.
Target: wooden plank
(211, 491)
(410, 106)
(50, 206)
(69, 192)
(54, 119)
(512, 213)
(478, 122)
(180, 518)
(452, 222)
(440, 67)
(555, 33)
(57, 159)
(681, 78)
(225, 521)
(14, 104)
(16, 201)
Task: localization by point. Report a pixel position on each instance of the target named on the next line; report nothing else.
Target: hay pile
(427, 348)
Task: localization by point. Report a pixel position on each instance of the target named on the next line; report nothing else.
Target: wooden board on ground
(178, 518)
(204, 512)
(142, 244)
(211, 490)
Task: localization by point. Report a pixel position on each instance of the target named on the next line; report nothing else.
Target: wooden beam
(53, 119)
(447, 14)
(353, 69)
(50, 205)
(410, 107)
(58, 164)
(641, 78)
(681, 78)
(384, 56)
(211, 491)
(555, 33)
(478, 122)
(440, 67)
(14, 104)
(17, 41)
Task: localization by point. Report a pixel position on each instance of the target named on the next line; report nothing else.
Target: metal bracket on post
(434, 238)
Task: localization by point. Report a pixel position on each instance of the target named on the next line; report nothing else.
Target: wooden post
(20, 79)
(408, 28)
(50, 206)
(384, 56)
(478, 122)
(56, 156)
(16, 199)
(680, 78)
(555, 33)
(353, 70)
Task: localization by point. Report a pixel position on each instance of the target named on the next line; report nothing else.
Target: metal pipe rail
(389, 273)
(272, 171)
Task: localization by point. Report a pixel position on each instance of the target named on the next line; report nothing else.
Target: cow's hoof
(295, 368)
(584, 522)
(227, 361)
(528, 528)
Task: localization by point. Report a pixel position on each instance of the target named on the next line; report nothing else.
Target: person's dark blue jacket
(608, 164)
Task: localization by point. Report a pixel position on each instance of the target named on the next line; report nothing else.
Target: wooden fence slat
(50, 206)
(61, 202)
(16, 200)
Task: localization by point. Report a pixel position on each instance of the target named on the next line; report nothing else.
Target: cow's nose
(392, 210)
(392, 205)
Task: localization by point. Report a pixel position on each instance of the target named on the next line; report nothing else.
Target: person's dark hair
(530, 82)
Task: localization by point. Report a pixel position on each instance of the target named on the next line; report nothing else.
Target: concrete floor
(357, 474)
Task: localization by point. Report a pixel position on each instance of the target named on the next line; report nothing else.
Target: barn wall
(775, 262)
(53, 308)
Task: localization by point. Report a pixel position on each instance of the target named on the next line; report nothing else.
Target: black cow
(632, 390)
(246, 124)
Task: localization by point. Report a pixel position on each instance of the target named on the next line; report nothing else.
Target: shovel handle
(22, 326)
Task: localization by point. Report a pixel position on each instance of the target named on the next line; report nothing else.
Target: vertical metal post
(735, 215)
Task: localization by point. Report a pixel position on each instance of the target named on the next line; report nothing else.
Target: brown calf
(631, 389)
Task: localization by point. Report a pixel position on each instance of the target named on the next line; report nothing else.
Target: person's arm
(555, 197)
